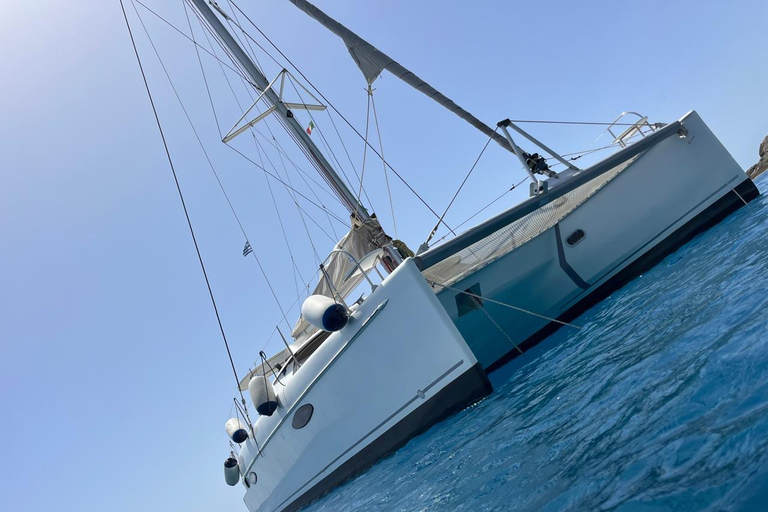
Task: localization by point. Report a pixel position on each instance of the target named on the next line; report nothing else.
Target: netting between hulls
(501, 242)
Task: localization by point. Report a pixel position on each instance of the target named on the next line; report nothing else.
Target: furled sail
(365, 238)
(371, 62)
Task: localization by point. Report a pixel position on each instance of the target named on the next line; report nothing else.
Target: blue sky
(115, 384)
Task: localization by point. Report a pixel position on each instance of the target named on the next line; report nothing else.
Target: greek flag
(247, 249)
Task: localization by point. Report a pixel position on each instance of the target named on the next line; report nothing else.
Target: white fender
(231, 471)
(324, 313)
(262, 395)
(236, 430)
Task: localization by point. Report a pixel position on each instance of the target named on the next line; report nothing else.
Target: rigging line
(279, 180)
(592, 150)
(312, 158)
(300, 210)
(311, 189)
(586, 123)
(481, 210)
(185, 35)
(283, 155)
(202, 69)
(332, 239)
(386, 175)
(210, 163)
(274, 331)
(247, 35)
(226, 78)
(276, 144)
(397, 174)
(354, 169)
(365, 145)
(183, 204)
(580, 154)
(262, 152)
(510, 306)
(240, 106)
(307, 155)
(327, 145)
(480, 306)
(296, 270)
(587, 151)
(282, 228)
(277, 210)
(455, 195)
(224, 48)
(259, 149)
(236, 23)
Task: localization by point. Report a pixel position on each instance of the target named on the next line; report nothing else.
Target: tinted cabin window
(575, 237)
(466, 303)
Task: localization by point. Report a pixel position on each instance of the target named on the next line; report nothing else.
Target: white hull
(397, 367)
(644, 211)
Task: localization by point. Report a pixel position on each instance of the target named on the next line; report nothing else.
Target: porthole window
(302, 416)
(575, 237)
(252, 478)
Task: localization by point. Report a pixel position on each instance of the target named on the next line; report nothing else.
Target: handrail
(357, 265)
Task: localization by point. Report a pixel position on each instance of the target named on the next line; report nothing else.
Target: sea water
(659, 402)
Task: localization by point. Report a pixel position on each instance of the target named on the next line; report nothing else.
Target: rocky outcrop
(761, 166)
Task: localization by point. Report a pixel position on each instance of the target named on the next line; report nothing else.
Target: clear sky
(114, 381)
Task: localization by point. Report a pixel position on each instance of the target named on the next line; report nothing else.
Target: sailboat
(361, 378)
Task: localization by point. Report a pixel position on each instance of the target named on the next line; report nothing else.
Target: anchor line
(510, 306)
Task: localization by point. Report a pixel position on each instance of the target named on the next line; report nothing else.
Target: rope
(259, 149)
(210, 164)
(434, 230)
(586, 123)
(186, 36)
(481, 210)
(202, 69)
(365, 141)
(183, 205)
(265, 361)
(397, 174)
(480, 306)
(327, 145)
(527, 312)
(386, 174)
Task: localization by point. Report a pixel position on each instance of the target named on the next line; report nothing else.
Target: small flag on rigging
(310, 128)
(247, 249)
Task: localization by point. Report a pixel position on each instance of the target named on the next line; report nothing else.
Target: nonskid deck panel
(496, 245)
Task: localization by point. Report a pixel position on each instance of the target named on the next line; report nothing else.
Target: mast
(284, 114)
(372, 62)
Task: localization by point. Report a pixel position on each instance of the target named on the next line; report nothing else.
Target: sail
(365, 238)
(372, 62)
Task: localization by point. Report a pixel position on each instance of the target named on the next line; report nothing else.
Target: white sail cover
(363, 239)
(372, 61)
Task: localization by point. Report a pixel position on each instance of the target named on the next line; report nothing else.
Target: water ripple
(659, 403)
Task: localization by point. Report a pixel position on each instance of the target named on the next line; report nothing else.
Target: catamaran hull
(672, 191)
(398, 367)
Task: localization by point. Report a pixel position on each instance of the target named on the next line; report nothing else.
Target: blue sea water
(660, 402)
